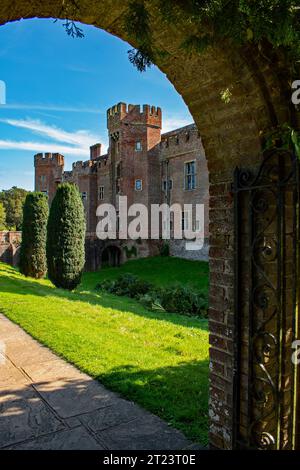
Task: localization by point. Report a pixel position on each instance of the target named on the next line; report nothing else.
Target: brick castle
(142, 163)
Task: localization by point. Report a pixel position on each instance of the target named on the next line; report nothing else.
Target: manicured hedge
(33, 261)
(66, 238)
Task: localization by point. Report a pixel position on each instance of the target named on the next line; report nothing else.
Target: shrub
(183, 299)
(128, 285)
(66, 238)
(34, 233)
(2, 217)
(173, 299)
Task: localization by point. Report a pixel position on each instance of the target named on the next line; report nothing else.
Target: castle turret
(95, 151)
(134, 135)
(122, 115)
(49, 168)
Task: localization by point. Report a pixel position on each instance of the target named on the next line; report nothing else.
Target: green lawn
(158, 360)
(157, 270)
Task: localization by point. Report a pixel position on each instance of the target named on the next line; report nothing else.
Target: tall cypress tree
(34, 233)
(66, 238)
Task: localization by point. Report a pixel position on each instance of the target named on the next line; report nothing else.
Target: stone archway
(231, 137)
(111, 256)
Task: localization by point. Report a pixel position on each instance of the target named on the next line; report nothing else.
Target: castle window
(138, 185)
(84, 195)
(118, 222)
(101, 193)
(185, 220)
(45, 192)
(138, 146)
(43, 178)
(190, 175)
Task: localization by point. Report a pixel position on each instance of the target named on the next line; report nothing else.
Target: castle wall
(177, 148)
(49, 168)
(10, 247)
(138, 162)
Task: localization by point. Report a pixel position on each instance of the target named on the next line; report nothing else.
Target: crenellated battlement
(180, 137)
(55, 159)
(135, 114)
(84, 167)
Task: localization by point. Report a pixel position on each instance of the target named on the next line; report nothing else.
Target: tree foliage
(211, 21)
(242, 21)
(2, 217)
(34, 233)
(13, 200)
(66, 238)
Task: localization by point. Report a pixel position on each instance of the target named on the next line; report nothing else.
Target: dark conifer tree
(66, 238)
(33, 261)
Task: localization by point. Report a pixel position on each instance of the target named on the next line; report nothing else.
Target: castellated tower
(134, 135)
(49, 168)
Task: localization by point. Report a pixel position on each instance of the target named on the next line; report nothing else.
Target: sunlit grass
(159, 360)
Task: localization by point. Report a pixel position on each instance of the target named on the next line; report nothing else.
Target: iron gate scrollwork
(266, 303)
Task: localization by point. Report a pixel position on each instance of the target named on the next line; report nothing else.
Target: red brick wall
(49, 169)
(176, 149)
(10, 247)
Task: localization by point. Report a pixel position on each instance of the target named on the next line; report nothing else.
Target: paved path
(45, 403)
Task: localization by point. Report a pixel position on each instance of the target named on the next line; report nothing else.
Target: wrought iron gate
(267, 270)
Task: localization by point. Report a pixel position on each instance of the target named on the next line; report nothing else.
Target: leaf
(296, 143)
(250, 34)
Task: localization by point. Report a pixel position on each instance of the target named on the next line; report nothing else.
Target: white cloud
(43, 147)
(172, 123)
(79, 138)
(75, 144)
(54, 107)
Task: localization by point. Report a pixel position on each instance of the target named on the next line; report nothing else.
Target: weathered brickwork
(231, 135)
(177, 149)
(139, 164)
(10, 247)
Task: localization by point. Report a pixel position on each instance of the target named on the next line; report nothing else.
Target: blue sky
(58, 90)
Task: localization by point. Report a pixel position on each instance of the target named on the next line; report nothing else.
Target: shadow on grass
(30, 286)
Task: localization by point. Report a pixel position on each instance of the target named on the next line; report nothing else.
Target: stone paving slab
(72, 397)
(121, 412)
(23, 415)
(70, 439)
(46, 403)
(10, 375)
(146, 433)
(50, 370)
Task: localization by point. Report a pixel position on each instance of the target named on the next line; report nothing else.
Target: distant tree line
(11, 208)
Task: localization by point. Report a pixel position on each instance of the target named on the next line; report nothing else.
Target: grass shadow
(29, 286)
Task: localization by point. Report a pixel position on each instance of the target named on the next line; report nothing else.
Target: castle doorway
(111, 256)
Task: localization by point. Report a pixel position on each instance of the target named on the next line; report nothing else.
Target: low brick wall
(10, 243)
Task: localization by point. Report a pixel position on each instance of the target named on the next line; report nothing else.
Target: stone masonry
(10, 247)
